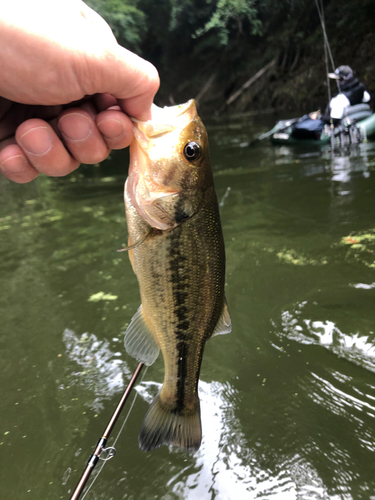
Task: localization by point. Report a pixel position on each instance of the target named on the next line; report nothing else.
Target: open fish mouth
(163, 121)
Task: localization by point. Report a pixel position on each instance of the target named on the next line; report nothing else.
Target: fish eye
(192, 151)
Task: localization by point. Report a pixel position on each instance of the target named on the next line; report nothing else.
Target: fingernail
(75, 127)
(37, 141)
(110, 128)
(15, 164)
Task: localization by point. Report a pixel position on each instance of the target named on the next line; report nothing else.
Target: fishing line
(109, 456)
(225, 196)
(130, 409)
(291, 215)
(322, 22)
(326, 61)
(327, 48)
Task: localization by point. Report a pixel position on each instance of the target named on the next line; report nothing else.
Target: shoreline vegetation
(236, 56)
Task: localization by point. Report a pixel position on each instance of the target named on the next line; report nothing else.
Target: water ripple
(99, 368)
(357, 348)
(226, 468)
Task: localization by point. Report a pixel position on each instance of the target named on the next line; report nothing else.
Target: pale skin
(67, 89)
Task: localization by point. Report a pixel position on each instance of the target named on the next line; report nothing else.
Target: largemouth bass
(176, 249)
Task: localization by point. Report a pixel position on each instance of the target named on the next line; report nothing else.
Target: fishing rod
(100, 447)
(327, 52)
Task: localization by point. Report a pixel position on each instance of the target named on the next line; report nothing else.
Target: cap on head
(342, 73)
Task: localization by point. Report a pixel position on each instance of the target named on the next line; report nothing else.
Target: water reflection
(225, 467)
(338, 401)
(344, 168)
(101, 371)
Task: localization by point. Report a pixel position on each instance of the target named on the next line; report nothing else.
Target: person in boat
(351, 92)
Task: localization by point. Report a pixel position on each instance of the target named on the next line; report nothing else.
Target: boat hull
(359, 115)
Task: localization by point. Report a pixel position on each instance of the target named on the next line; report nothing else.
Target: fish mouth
(163, 129)
(164, 120)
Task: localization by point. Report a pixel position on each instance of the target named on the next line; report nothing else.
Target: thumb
(131, 79)
(134, 83)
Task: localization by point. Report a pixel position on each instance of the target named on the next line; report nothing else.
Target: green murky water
(287, 399)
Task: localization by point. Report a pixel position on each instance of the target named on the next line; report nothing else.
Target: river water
(287, 399)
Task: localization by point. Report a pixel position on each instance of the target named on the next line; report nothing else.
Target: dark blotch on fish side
(181, 216)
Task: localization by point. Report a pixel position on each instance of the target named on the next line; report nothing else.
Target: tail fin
(162, 425)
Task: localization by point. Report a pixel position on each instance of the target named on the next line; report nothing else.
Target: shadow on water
(287, 399)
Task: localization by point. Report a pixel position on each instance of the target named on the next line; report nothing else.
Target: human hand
(67, 88)
(315, 114)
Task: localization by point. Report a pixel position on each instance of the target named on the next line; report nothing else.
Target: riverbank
(289, 57)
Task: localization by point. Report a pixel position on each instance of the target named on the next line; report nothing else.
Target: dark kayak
(357, 126)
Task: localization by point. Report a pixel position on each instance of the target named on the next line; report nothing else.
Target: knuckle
(117, 143)
(60, 168)
(95, 156)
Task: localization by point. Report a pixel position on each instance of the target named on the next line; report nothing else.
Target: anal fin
(139, 341)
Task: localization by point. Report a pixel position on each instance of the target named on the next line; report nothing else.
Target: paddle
(279, 127)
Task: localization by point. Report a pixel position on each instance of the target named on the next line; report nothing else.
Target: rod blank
(94, 458)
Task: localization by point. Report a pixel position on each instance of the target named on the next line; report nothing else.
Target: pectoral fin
(137, 243)
(224, 325)
(139, 341)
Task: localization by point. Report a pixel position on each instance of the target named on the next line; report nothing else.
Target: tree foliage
(189, 41)
(229, 17)
(127, 20)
